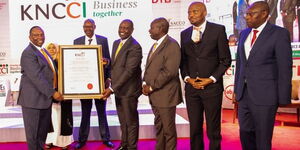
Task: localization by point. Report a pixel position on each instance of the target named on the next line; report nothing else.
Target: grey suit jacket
(36, 87)
(162, 74)
(126, 71)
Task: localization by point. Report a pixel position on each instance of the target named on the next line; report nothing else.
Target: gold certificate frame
(80, 71)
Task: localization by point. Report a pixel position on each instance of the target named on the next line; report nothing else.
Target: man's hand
(107, 92)
(146, 90)
(57, 96)
(233, 98)
(105, 61)
(203, 82)
(195, 83)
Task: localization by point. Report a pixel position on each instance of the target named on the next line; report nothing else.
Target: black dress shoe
(122, 148)
(108, 144)
(79, 145)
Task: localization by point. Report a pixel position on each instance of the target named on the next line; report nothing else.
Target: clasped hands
(199, 83)
(146, 90)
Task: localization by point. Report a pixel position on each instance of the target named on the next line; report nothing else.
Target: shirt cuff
(111, 89)
(185, 78)
(213, 78)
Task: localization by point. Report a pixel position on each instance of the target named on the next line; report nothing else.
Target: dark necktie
(254, 37)
(90, 41)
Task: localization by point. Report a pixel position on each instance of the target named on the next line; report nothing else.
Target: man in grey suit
(162, 84)
(37, 89)
(90, 38)
(126, 83)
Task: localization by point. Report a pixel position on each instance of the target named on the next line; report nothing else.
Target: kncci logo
(36, 11)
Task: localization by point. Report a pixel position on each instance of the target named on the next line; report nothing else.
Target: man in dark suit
(126, 83)
(263, 77)
(205, 58)
(288, 12)
(86, 104)
(162, 83)
(37, 89)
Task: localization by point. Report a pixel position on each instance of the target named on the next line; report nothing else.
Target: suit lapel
(263, 36)
(190, 44)
(39, 54)
(115, 47)
(242, 43)
(157, 51)
(122, 50)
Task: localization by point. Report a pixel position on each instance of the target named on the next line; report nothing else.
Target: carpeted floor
(285, 137)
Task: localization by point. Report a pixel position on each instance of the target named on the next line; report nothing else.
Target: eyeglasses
(251, 14)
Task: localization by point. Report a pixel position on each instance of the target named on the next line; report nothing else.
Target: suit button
(197, 59)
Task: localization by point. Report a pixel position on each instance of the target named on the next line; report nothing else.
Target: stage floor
(11, 122)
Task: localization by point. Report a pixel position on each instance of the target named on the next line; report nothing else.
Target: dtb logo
(161, 1)
(58, 11)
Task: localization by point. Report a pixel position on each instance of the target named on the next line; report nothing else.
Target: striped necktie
(52, 68)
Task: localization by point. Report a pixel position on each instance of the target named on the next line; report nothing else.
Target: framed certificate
(80, 71)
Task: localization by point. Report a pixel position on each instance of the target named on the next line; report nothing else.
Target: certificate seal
(90, 86)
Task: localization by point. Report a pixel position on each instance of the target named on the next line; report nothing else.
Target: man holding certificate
(126, 83)
(86, 104)
(37, 89)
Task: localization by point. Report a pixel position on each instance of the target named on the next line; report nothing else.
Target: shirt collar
(261, 27)
(160, 40)
(123, 41)
(37, 47)
(202, 26)
(87, 38)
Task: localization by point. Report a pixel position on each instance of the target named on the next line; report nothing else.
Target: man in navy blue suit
(86, 104)
(263, 77)
(37, 89)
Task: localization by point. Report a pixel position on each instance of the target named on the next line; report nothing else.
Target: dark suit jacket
(36, 87)
(101, 40)
(162, 74)
(126, 69)
(268, 70)
(211, 57)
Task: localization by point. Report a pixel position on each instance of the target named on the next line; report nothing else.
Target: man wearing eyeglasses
(90, 38)
(263, 77)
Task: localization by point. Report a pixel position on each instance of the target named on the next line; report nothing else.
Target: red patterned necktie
(254, 37)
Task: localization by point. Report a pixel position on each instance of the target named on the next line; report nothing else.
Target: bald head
(197, 13)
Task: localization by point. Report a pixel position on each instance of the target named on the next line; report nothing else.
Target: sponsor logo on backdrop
(3, 69)
(228, 91)
(2, 88)
(2, 5)
(296, 50)
(176, 24)
(229, 72)
(14, 68)
(69, 9)
(112, 8)
(2, 55)
(47, 11)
